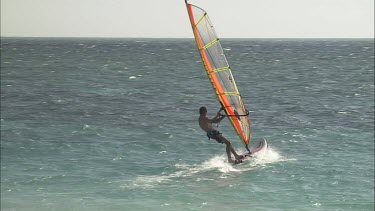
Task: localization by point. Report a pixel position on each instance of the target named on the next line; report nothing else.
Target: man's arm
(217, 118)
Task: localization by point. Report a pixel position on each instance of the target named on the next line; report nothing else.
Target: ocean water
(111, 124)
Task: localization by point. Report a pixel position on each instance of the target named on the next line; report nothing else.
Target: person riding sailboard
(222, 81)
(206, 124)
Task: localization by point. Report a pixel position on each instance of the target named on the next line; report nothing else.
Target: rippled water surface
(111, 124)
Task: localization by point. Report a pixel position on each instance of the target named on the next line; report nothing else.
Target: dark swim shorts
(214, 134)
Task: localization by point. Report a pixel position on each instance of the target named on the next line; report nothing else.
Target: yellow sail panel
(219, 72)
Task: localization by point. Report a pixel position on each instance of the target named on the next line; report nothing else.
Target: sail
(219, 72)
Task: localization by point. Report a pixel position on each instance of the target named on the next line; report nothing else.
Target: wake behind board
(260, 146)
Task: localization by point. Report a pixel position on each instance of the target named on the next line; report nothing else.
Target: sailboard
(258, 148)
(219, 72)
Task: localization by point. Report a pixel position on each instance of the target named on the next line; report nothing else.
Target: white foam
(217, 162)
(146, 181)
(266, 157)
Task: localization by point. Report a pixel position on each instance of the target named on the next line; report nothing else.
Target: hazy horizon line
(82, 37)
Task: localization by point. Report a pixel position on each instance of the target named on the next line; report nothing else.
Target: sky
(169, 18)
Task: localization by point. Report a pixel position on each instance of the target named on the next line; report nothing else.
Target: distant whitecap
(317, 204)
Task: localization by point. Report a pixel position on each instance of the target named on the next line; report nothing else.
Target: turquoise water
(111, 124)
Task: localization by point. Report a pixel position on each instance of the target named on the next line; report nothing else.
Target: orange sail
(219, 72)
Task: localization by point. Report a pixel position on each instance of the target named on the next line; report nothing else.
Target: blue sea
(111, 124)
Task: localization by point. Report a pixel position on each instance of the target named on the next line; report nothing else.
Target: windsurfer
(206, 124)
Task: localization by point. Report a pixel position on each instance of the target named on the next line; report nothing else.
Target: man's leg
(228, 153)
(229, 149)
(234, 152)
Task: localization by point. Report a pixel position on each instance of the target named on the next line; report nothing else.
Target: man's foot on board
(239, 157)
(235, 161)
